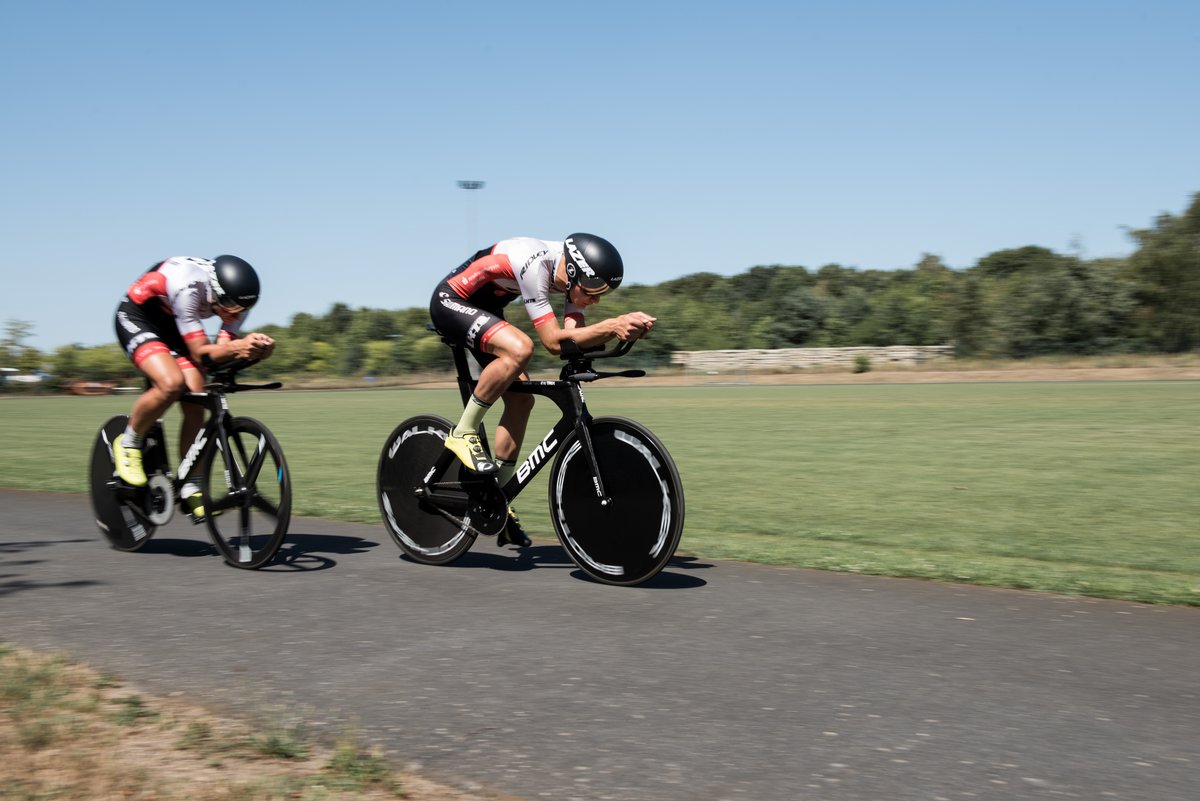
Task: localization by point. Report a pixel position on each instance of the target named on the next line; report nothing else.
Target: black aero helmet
(592, 263)
(234, 282)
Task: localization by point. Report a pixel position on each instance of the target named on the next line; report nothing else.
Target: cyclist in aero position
(468, 306)
(159, 323)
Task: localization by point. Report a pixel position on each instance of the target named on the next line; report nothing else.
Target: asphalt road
(512, 673)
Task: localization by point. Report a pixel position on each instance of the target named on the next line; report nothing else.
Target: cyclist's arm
(251, 346)
(628, 326)
(190, 309)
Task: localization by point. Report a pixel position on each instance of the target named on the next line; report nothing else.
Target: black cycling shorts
(146, 330)
(464, 323)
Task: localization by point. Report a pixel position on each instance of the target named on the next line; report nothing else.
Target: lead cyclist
(468, 308)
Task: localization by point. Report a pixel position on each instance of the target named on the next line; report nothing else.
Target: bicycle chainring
(160, 499)
(487, 508)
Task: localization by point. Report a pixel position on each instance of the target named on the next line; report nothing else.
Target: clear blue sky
(322, 140)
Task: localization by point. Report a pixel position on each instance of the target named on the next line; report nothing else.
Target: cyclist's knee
(522, 352)
(170, 387)
(514, 347)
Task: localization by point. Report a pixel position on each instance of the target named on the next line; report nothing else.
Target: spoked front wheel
(129, 516)
(632, 537)
(433, 523)
(247, 494)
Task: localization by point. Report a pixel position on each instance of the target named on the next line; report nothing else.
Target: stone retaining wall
(784, 359)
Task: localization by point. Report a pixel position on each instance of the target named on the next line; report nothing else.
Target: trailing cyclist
(159, 323)
(468, 307)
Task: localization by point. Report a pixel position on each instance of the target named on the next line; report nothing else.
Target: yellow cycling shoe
(128, 462)
(195, 506)
(469, 450)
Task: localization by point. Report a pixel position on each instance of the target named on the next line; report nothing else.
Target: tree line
(1014, 303)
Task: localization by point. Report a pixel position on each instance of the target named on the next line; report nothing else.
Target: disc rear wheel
(128, 516)
(433, 524)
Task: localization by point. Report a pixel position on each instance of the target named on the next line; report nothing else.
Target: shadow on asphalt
(11, 587)
(554, 556)
(11, 583)
(308, 552)
(299, 552)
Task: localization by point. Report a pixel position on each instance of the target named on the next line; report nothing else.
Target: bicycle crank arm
(458, 521)
(454, 500)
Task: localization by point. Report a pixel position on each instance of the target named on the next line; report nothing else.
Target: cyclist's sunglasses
(229, 305)
(595, 293)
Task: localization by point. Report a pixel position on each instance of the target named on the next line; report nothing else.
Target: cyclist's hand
(634, 325)
(257, 346)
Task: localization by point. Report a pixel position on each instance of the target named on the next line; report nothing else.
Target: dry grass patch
(67, 732)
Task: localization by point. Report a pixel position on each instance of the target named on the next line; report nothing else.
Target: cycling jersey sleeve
(533, 262)
(192, 307)
(230, 330)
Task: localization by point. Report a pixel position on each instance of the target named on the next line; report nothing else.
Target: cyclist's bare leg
(513, 350)
(510, 431)
(166, 385)
(193, 415)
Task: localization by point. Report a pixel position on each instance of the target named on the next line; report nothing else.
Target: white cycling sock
(132, 439)
(505, 470)
(472, 416)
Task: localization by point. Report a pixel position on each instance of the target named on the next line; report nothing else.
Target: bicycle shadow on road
(302, 553)
(308, 552)
(15, 581)
(554, 556)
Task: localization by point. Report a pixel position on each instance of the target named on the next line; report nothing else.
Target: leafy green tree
(1165, 270)
(324, 356)
(308, 327)
(64, 363)
(107, 363)
(801, 315)
(379, 358)
(338, 318)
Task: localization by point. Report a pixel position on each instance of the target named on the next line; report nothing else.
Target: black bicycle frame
(567, 396)
(218, 406)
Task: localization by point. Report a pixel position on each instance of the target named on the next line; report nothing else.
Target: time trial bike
(236, 461)
(616, 498)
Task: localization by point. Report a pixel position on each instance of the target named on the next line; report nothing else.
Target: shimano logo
(544, 449)
(454, 305)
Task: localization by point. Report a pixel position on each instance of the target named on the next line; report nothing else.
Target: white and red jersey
(520, 266)
(182, 285)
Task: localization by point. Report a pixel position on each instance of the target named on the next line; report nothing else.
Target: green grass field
(1084, 488)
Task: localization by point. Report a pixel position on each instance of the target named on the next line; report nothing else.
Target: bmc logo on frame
(544, 449)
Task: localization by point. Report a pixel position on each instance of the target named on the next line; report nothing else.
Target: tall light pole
(470, 186)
